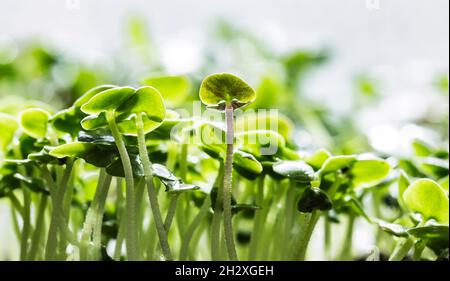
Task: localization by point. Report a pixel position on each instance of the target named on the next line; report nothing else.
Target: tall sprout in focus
(226, 92)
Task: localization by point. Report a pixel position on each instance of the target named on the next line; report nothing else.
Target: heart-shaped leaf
(336, 163)
(426, 197)
(8, 126)
(369, 172)
(174, 89)
(295, 170)
(225, 87)
(108, 100)
(34, 122)
(146, 100)
(314, 199)
(89, 94)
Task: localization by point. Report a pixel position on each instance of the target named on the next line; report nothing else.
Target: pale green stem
(346, 249)
(288, 217)
(120, 237)
(258, 222)
(217, 217)
(171, 211)
(419, 247)
(401, 249)
(162, 233)
(227, 185)
(90, 218)
(304, 240)
(193, 227)
(131, 234)
(50, 247)
(26, 224)
(98, 217)
(16, 203)
(62, 221)
(38, 231)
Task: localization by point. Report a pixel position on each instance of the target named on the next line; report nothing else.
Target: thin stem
(171, 211)
(419, 246)
(304, 240)
(98, 217)
(120, 237)
(38, 230)
(217, 216)
(401, 249)
(346, 250)
(193, 227)
(227, 185)
(50, 247)
(258, 222)
(162, 233)
(90, 218)
(288, 216)
(327, 236)
(26, 224)
(16, 203)
(62, 221)
(140, 210)
(183, 161)
(15, 221)
(131, 234)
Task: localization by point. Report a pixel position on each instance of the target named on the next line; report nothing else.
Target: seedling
(235, 189)
(227, 92)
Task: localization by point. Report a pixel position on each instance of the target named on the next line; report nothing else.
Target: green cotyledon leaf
(34, 122)
(8, 126)
(99, 155)
(426, 197)
(296, 170)
(108, 100)
(368, 172)
(246, 164)
(174, 89)
(224, 87)
(335, 163)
